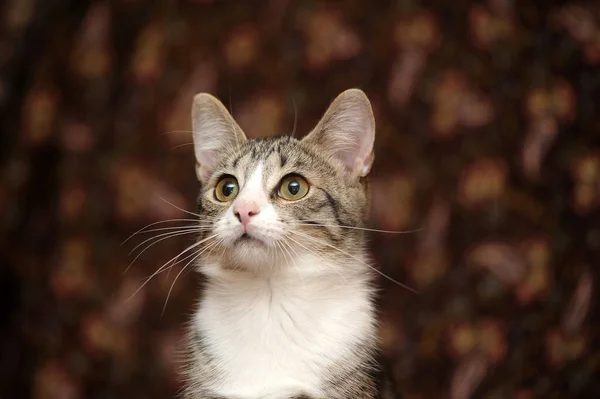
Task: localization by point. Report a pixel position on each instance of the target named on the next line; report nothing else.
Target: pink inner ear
(357, 158)
(204, 164)
(349, 157)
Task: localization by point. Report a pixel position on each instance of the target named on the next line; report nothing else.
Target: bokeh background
(488, 139)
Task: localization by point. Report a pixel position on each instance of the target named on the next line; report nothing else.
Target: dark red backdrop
(488, 139)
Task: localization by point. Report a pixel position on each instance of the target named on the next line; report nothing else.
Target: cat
(287, 310)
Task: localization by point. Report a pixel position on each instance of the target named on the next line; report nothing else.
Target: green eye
(293, 188)
(227, 189)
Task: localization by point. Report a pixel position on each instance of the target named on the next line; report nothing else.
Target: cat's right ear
(215, 132)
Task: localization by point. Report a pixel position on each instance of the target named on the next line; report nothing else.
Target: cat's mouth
(247, 239)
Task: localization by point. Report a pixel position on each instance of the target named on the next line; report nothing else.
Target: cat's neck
(284, 330)
(309, 277)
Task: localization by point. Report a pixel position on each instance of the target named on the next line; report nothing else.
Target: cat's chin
(248, 241)
(249, 252)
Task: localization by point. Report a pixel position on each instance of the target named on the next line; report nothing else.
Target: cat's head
(267, 202)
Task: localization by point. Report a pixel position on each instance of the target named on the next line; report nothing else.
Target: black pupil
(294, 187)
(228, 188)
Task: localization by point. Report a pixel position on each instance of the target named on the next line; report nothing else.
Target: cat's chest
(275, 341)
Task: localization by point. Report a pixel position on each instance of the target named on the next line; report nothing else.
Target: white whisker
(359, 260)
(181, 145)
(318, 255)
(183, 269)
(181, 209)
(155, 223)
(171, 235)
(359, 228)
(162, 268)
(176, 260)
(295, 116)
(174, 233)
(284, 244)
(191, 226)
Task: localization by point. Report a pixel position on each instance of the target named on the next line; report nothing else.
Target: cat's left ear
(347, 132)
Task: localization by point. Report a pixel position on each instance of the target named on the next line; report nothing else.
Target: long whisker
(155, 223)
(213, 247)
(318, 255)
(162, 268)
(357, 259)
(284, 250)
(181, 145)
(295, 116)
(182, 230)
(280, 250)
(317, 219)
(189, 226)
(284, 244)
(359, 228)
(156, 273)
(181, 209)
(183, 269)
(171, 235)
(176, 259)
(168, 269)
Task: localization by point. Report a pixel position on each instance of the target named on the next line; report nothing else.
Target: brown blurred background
(488, 139)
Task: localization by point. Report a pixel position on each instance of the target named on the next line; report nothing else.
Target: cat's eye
(293, 188)
(227, 189)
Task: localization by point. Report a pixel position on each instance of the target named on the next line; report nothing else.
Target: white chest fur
(277, 336)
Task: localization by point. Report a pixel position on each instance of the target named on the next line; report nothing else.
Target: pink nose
(244, 211)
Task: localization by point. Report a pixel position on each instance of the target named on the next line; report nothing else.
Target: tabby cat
(287, 310)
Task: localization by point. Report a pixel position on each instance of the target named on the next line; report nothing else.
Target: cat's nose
(244, 211)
